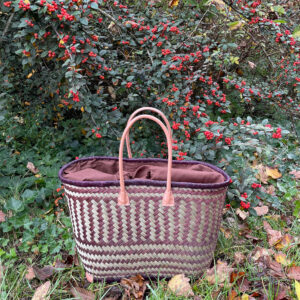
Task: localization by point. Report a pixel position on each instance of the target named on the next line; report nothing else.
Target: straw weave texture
(145, 237)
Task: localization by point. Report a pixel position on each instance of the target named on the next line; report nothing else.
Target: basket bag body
(153, 227)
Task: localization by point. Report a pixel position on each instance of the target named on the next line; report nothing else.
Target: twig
(7, 26)
(197, 26)
(150, 57)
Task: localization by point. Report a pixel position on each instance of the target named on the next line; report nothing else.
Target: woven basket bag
(151, 227)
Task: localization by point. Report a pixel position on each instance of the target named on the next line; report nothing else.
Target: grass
(15, 286)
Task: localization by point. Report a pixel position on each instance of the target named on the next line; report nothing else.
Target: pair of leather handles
(168, 199)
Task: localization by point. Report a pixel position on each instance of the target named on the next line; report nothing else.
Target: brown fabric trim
(98, 169)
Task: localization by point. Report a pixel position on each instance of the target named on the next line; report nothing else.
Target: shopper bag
(154, 217)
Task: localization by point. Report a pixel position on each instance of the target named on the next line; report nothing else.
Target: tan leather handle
(168, 199)
(138, 111)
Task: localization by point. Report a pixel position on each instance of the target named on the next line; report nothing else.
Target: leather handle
(138, 111)
(168, 199)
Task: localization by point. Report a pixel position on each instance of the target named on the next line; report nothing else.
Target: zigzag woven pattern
(145, 237)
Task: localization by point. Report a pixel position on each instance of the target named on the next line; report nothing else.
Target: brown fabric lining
(108, 170)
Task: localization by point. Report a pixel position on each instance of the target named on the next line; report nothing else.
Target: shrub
(206, 68)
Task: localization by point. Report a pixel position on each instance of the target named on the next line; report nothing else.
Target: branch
(7, 26)
(197, 26)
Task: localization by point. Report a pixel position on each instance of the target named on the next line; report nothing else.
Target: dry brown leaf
(2, 270)
(219, 4)
(179, 285)
(227, 233)
(294, 273)
(82, 294)
(239, 258)
(273, 173)
(271, 190)
(42, 291)
(281, 258)
(284, 242)
(173, 3)
(112, 92)
(251, 64)
(232, 295)
(30, 166)
(134, 287)
(61, 265)
(261, 174)
(89, 277)
(242, 214)
(296, 174)
(219, 273)
(261, 252)
(261, 210)
(30, 273)
(274, 236)
(2, 216)
(44, 272)
(276, 269)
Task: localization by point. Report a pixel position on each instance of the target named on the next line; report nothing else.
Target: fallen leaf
(112, 92)
(134, 286)
(42, 291)
(261, 174)
(227, 233)
(219, 273)
(173, 3)
(294, 273)
(274, 236)
(2, 216)
(219, 4)
(281, 292)
(296, 174)
(281, 258)
(242, 214)
(273, 173)
(30, 166)
(43, 273)
(179, 285)
(297, 288)
(61, 265)
(89, 277)
(271, 190)
(276, 269)
(30, 273)
(284, 242)
(235, 25)
(235, 276)
(261, 210)
(251, 64)
(239, 258)
(82, 294)
(260, 252)
(2, 269)
(232, 295)
(243, 284)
